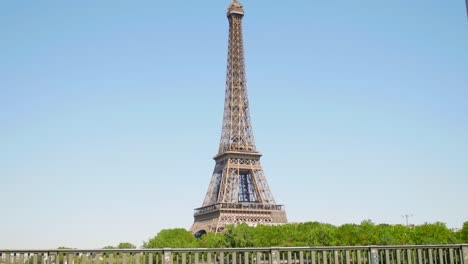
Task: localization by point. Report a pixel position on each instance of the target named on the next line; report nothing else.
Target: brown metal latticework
(238, 191)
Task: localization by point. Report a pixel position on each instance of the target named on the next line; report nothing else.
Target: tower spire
(237, 134)
(235, 7)
(238, 190)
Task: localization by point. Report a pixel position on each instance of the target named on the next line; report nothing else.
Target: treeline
(313, 234)
(122, 245)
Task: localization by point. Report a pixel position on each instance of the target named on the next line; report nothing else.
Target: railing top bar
(184, 250)
(420, 246)
(77, 251)
(365, 247)
(200, 250)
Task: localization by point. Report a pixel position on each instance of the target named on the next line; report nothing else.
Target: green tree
(212, 240)
(239, 236)
(367, 234)
(436, 233)
(313, 234)
(126, 245)
(464, 233)
(347, 235)
(122, 245)
(172, 238)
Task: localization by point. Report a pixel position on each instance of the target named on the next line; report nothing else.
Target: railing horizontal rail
(227, 249)
(408, 254)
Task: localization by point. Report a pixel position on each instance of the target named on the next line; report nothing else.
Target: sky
(111, 112)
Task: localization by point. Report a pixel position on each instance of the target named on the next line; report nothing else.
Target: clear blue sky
(110, 113)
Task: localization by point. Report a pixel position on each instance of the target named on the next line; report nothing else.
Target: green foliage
(122, 245)
(313, 234)
(463, 234)
(172, 238)
(109, 247)
(239, 236)
(212, 240)
(126, 245)
(436, 233)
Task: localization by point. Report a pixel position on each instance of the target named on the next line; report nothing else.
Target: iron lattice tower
(238, 191)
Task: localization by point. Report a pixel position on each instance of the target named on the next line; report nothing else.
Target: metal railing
(440, 254)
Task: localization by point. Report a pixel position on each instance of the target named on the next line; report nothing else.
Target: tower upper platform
(235, 8)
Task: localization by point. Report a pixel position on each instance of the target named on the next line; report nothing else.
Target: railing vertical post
(275, 256)
(387, 256)
(441, 256)
(409, 256)
(167, 259)
(465, 253)
(420, 256)
(374, 255)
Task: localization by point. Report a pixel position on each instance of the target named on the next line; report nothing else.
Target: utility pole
(407, 216)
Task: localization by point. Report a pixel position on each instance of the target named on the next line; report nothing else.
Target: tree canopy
(312, 234)
(172, 238)
(122, 245)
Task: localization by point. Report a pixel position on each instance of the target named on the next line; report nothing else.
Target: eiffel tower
(238, 190)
